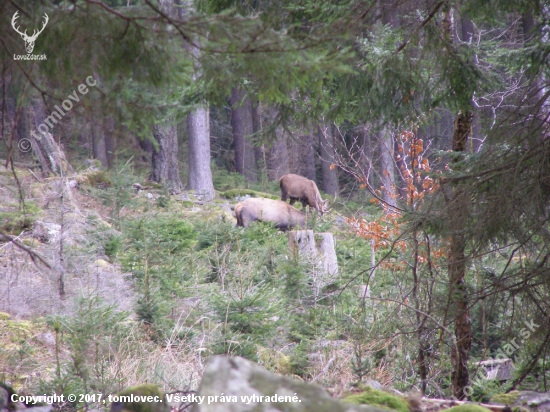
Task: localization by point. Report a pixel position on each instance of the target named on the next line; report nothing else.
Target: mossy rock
(4, 316)
(520, 409)
(505, 398)
(140, 391)
(96, 178)
(233, 193)
(468, 407)
(6, 393)
(382, 399)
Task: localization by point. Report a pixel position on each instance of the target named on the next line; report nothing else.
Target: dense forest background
(425, 124)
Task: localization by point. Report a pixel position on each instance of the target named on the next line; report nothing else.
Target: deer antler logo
(29, 40)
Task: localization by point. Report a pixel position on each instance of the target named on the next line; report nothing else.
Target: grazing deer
(280, 213)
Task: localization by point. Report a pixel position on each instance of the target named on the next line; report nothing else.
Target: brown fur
(304, 190)
(266, 210)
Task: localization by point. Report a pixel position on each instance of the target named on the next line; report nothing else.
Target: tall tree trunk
(535, 90)
(164, 159)
(98, 127)
(399, 163)
(365, 155)
(243, 128)
(198, 131)
(200, 175)
(387, 169)
(48, 152)
(110, 140)
(306, 156)
(466, 35)
(457, 211)
(277, 154)
(99, 147)
(327, 154)
(256, 129)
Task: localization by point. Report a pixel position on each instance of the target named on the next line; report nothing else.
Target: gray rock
(341, 222)
(183, 198)
(249, 387)
(46, 232)
(534, 401)
(4, 398)
(375, 384)
(47, 339)
(47, 408)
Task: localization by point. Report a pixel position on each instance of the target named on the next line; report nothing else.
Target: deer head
(29, 40)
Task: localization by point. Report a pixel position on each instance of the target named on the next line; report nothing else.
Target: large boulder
(524, 401)
(233, 384)
(140, 398)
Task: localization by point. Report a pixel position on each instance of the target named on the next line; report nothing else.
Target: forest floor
(51, 317)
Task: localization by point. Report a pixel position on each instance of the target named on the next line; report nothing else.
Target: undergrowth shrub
(89, 337)
(13, 222)
(155, 254)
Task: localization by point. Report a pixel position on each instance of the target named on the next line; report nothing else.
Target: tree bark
(457, 210)
(200, 175)
(466, 34)
(110, 140)
(99, 147)
(366, 155)
(387, 169)
(277, 155)
(198, 131)
(48, 152)
(327, 154)
(164, 160)
(243, 128)
(306, 157)
(256, 129)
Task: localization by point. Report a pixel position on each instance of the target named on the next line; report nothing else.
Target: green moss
(520, 409)
(14, 222)
(505, 398)
(18, 330)
(99, 178)
(144, 390)
(382, 399)
(233, 193)
(468, 407)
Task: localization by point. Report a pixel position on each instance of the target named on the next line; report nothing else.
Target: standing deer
(304, 190)
(29, 40)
